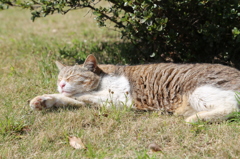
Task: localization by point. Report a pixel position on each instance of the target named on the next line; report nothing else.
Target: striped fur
(161, 86)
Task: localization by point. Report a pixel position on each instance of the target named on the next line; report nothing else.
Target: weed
(9, 126)
(198, 127)
(234, 117)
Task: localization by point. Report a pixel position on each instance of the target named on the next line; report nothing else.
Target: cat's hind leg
(213, 115)
(212, 104)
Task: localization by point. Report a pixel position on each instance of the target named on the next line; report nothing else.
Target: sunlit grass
(27, 54)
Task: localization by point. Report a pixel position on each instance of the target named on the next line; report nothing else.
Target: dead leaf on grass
(104, 115)
(76, 142)
(154, 147)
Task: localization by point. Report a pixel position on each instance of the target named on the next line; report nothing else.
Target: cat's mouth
(67, 93)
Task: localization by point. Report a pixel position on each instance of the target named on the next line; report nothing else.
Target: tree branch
(106, 16)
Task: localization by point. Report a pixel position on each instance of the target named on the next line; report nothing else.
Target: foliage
(180, 31)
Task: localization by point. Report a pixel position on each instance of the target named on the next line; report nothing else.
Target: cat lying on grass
(196, 91)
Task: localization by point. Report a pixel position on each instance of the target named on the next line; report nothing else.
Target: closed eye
(76, 78)
(83, 82)
(79, 79)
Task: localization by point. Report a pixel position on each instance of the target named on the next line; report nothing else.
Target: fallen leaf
(105, 115)
(154, 147)
(76, 142)
(26, 129)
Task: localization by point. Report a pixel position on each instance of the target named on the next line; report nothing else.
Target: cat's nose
(62, 85)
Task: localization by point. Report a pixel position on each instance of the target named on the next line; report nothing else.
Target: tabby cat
(195, 91)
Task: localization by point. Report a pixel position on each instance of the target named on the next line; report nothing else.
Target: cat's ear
(59, 65)
(90, 63)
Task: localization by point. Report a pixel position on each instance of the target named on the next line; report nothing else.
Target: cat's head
(79, 78)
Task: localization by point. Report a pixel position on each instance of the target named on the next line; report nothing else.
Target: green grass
(27, 54)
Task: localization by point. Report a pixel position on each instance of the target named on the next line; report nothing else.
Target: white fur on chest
(117, 89)
(112, 90)
(117, 84)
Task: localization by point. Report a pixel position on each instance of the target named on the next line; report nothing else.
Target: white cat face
(76, 80)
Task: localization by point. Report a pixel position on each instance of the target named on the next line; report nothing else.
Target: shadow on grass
(63, 108)
(124, 52)
(67, 108)
(106, 52)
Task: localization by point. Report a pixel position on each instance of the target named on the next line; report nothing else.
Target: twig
(109, 18)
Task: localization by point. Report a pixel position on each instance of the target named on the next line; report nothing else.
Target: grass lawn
(27, 54)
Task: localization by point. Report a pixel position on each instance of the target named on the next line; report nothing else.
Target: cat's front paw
(42, 102)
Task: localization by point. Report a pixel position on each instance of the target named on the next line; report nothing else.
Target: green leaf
(143, 20)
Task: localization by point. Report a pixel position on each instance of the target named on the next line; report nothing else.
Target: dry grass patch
(27, 54)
